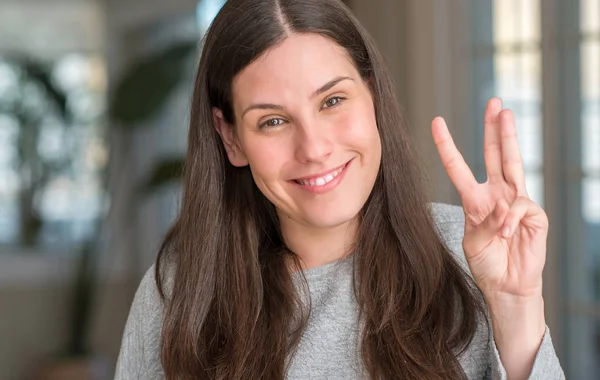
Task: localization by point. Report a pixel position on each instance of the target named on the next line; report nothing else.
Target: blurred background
(94, 100)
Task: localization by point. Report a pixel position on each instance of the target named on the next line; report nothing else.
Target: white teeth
(321, 181)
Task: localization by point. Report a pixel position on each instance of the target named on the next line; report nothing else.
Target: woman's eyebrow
(262, 106)
(270, 106)
(327, 86)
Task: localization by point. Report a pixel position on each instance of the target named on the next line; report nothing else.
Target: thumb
(481, 236)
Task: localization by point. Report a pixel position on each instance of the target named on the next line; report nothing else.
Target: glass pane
(529, 132)
(591, 202)
(531, 75)
(590, 69)
(530, 20)
(534, 181)
(590, 16)
(590, 138)
(516, 21)
(505, 24)
(518, 76)
(506, 67)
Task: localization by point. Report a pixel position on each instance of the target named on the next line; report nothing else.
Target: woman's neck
(318, 246)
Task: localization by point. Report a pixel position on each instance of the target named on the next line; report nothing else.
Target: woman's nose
(313, 143)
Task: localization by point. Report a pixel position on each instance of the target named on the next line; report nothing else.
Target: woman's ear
(227, 132)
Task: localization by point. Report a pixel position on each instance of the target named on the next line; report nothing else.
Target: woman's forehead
(301, 63)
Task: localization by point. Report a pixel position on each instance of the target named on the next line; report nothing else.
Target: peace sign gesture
(505, 237)
(505, 232)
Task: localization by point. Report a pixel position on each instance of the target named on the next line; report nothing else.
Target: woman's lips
(325, 182)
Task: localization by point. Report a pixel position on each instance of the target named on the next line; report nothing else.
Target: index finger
(461, 176)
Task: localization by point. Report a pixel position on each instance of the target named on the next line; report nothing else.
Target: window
(590, 108)
(582, 277)
(508, 58)
(514, 42)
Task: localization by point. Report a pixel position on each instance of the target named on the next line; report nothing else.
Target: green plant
(34, 98)
(143, 92)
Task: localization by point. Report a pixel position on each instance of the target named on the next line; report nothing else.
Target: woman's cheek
(264, 157)
(357, 126)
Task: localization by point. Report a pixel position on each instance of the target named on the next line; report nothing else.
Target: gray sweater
(328, 348)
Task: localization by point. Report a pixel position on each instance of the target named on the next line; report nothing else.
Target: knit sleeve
(139, 354)
(546, 365)
(450, 224)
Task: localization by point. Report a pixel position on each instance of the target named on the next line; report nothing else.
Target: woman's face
(305, 124)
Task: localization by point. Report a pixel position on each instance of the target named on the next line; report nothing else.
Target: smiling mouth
(323, 179)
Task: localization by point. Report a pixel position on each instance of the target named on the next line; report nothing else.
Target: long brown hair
(232, 310)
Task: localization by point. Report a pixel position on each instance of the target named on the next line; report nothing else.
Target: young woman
(305, 248)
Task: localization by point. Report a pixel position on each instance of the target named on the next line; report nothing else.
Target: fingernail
(506, 232)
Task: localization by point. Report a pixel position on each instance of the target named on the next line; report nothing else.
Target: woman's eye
(271, 123)
(332, 102)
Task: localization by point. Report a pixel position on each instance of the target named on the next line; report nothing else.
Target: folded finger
(481, 236)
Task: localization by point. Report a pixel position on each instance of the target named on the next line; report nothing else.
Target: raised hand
(505, 231)
(505, 237)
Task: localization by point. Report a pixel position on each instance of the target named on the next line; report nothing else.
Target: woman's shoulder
(148, 305)
(147, 301)
(148, 289)
(444, 213)
(139, 356)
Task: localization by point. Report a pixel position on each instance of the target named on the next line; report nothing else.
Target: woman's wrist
(519, 326)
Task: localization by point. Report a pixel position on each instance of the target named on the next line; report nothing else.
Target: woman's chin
(322, 220)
